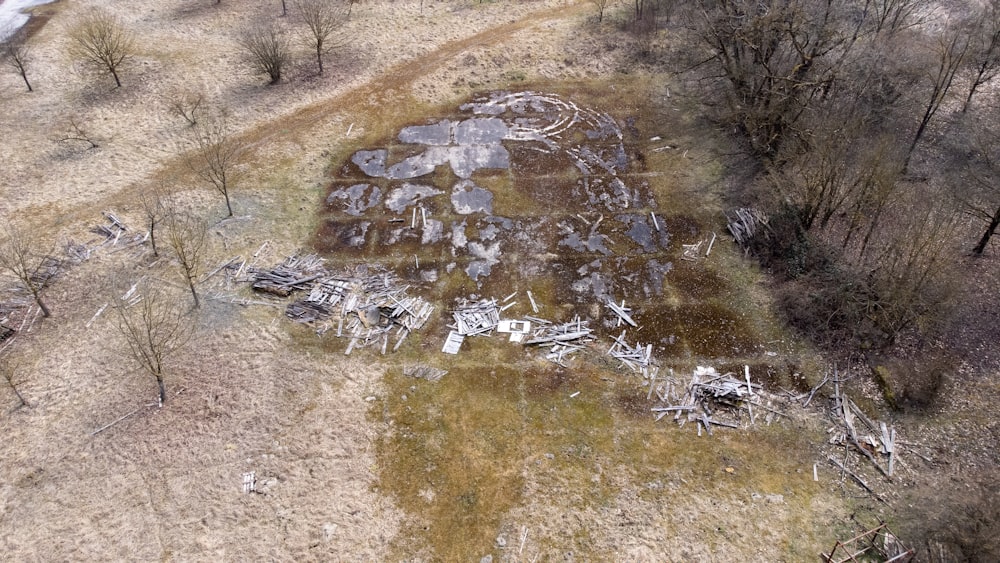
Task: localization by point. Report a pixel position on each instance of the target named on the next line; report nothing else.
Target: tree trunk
(319, 57)
(916, 139)
(24, 75)
(163, 389)
(194, 293)
(972, 92)
(225, 194)
(20, 397)
(41, 305)
(152, 237)
(994, 223)
(114, 73)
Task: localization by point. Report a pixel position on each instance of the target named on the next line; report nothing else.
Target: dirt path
(309, 128)
(394, 82)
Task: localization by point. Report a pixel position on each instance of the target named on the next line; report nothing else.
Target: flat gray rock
(371, 163)
(409, 194)
(468, 198)
(434, 134)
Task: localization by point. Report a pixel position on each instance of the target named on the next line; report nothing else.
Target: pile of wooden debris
(421, 371)
(869, 438)
(562, 340)
(113, 233)
(746, 223)
(712, 399)
(638, 358)
(483, 317)
(472, 318)
(366, 306)
(296, 273)
(476, 318)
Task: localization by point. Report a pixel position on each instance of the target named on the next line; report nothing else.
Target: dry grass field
(354, 460)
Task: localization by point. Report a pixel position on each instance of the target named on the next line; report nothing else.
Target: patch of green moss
(883, 377)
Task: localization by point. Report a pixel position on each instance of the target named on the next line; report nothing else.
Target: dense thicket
(847, 108)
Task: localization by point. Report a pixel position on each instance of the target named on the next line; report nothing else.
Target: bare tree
(908, 271)
(187, 105)
(266, 48)
(890, 16)
(323, 18)
(102, 39)
(838, 175)
(991, 216)
(23, 255)
(949, 53)
(16, 53)
(77, 132)
(217, 157)
(154, 327)
(978, 192)
(777, 59)
(10, 375)
(187, 237)
(155, 210)
(985, 51)
(601, 6)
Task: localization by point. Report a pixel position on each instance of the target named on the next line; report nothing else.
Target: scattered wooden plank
(622, 312)
(97, 314)
(119, 419)
(249, 482)
(420, 371)
(453, 343)
(534, 306)
(859, 480)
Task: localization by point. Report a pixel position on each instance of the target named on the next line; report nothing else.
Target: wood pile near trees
(746, 223)
(296, 273)
(47, 270)
(871, 439)
(365, 306)
(113, 233)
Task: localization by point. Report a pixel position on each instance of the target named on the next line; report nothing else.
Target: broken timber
(365, 305)
(637, 358)
(622, 312)
(707, 397)
(562, 340)
(424, 372)
(294, 274)
(872, 439)
(476, 318)
(746, 224)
